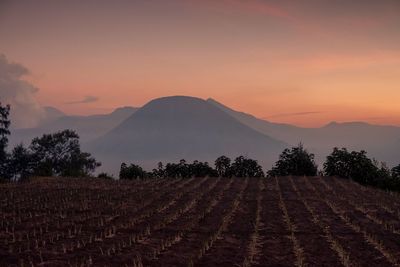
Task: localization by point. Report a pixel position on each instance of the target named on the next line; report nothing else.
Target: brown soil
(291, 221)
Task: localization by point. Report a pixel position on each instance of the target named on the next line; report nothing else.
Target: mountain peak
(125, 109)
(176, 99)
(52, 111)
(176, 127)
(212, 100)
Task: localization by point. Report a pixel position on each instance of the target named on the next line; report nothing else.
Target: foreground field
(289, 221)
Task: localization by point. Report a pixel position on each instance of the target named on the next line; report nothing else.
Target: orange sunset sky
(305, 62)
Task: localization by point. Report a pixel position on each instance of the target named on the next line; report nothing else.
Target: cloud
(293, 114)
(26, 112)
(85, 100)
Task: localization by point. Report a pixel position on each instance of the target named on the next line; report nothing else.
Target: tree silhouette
(223, 166)
(396, 171)
(4, 133)
(395, 181)
(355, 165)
(180, 170)
(295, 161)
(201, 169)
(244, 167)
(59, 154)
(184, 170)
(159, 172)
(20, 165)
(131, 172)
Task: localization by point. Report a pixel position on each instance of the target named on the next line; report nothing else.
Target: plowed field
(287, 221)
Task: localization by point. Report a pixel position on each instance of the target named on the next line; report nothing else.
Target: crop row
(290, 221)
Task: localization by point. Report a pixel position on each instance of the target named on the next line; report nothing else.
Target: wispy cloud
(85, 100)
(305, 113)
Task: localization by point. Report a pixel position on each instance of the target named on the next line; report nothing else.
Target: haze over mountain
(172, 128)
(51, 114)
(180, 127)
(381, 142)
(88, 127)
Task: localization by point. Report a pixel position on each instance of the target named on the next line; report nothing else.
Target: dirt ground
(284, 221)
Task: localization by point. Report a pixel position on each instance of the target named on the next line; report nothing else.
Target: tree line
(239, 167)
(59, 154)
(296, 161)
(355, 165)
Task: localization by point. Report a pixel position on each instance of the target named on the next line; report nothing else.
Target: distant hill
(381, 142)
(88, 127)
(172, 128)
(51, 114)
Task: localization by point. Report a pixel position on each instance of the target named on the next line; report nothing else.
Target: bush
(186, 170)
(295, 161)
(357, 166)
(244, 167)
(131, 172)
(354, 165)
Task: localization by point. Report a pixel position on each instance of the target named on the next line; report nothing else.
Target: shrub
(295, 161)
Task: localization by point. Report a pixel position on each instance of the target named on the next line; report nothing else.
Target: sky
(305, 62)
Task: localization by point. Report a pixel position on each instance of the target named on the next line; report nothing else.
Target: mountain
(172, 128)
(88, 127)
(51, 114)
(381, 142)
(285, 132)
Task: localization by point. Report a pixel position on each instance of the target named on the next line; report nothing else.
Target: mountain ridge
(380, 141)
(176, 127)
(88, 127)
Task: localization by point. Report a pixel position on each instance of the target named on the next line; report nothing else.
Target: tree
(338, 163)
(160, 170)
(186, 170)
(223, 166)
(395, 179)
(383, 177)
(295, 161)
(123, 171)
(19, 165)
(4, 133)
(396, 171)
(354, 165)
(59, 154)
(244, 167)
(131, 172)
(174, 170)
(201, 169)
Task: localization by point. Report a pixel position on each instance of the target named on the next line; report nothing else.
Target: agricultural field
(288, 221)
